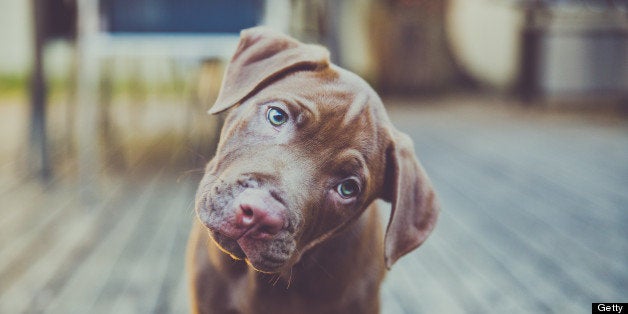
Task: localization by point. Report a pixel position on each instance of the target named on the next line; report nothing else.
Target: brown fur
(310, 249)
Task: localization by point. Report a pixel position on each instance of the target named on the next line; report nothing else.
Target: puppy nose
(259, 213)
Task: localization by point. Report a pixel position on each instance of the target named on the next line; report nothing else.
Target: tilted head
(305, 148)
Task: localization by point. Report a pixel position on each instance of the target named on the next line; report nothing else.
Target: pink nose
(259, 213)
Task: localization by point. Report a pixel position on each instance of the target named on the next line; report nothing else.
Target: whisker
(321, 267)
(195, 152)
(289, 278)
(191, 209)
(274, 278)
(187, 173)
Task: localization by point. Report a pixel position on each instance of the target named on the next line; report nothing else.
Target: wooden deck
(534, 220)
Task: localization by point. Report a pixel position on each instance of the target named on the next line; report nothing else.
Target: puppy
(287, 212)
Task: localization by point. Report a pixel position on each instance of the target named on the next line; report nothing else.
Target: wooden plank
(12, 178)
(85, 284)
(474, 240)
(519, 159)
(472, 174)
(179, 298)
(170, 298)
(18, 254)
(561, 159)
(514, 254)
(414, 284)
(29, 204)
(593, 202)
(416, 289)
(458, 256)
(127, 263)
(473, 260)
(570, 215)
(145, 275)
(518, 206)
(63, 241)
(17, 208)
(28, 249)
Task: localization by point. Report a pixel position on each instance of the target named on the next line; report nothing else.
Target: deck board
(560, 247)
(89, 278)
(519, 190)
(534, 220)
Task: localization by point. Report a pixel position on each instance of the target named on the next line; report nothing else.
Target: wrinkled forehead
(337, 112)
(331, 91)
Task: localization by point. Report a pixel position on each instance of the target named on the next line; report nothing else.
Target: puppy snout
(260, 213)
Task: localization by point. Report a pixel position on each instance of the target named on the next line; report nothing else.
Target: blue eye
(348, 188)
(276, 116)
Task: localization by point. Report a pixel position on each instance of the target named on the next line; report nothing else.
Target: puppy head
(305, 148)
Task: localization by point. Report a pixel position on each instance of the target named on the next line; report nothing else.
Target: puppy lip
(240, 248)
(255, 235)
(266, 264)
(262, 260)
(265, 267)
(227, 245)
(231, 235)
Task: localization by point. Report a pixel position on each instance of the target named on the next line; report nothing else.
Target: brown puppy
(287, 218)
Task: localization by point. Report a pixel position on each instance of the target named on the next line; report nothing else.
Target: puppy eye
(276, 116)
(348, 188)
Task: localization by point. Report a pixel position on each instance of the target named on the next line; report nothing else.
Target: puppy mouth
(227, 245)
(249, 222)
(264, 255)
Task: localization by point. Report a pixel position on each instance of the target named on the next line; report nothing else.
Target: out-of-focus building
(547, 47)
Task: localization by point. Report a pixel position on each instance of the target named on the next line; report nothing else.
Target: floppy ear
(414, 204)
(262, 55)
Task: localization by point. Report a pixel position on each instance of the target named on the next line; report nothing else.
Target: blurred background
(518, 110)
